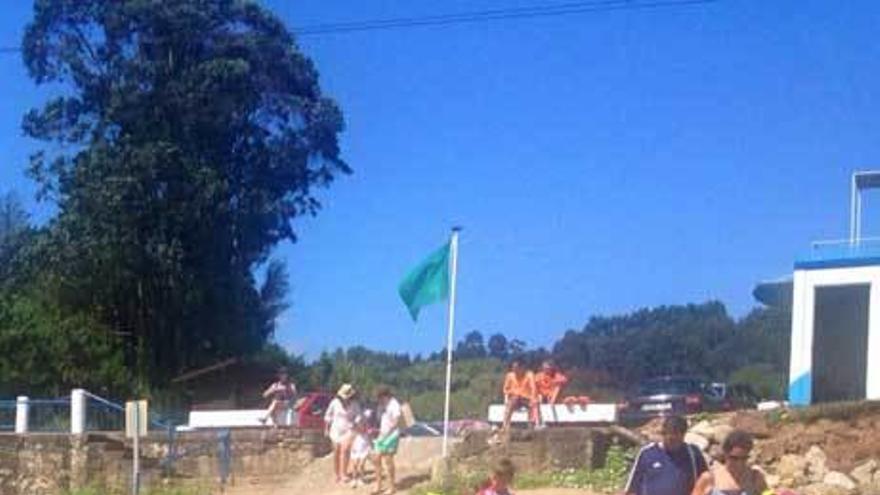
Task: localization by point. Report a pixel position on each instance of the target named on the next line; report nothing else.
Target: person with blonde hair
(339, 420)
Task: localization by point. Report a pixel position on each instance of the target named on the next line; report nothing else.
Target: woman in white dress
(339, 420)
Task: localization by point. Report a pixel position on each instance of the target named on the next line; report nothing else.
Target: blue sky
(599, 163)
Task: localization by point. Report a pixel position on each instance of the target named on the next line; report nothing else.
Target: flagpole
(453, 270)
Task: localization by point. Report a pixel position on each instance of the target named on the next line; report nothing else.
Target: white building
(834, 298)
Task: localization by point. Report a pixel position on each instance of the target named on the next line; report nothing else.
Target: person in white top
(339, 420)
(385, 445)
(361, 448)
(282, 394)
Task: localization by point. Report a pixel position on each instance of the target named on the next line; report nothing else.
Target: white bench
(560, 414)
(232, 418)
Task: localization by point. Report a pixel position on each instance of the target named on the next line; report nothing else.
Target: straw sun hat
(346, 391)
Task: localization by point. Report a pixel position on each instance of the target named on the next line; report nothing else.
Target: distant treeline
(604, 359)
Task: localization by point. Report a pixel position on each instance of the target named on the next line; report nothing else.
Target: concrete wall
(49, 464)
(536, 451)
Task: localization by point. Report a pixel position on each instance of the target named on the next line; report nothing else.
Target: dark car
(669, 395)
(733, 397)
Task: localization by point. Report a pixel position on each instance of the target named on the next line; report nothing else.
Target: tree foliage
(15, 233)
(498, 347)
(189, 136)
(471, 347)
(46, 352)
(604, 359)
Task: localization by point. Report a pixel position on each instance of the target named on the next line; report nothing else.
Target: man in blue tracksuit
(670, 467)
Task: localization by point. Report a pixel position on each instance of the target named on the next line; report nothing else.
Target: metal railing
(107, 415)
(103, 415)
(49, 415)
(7, 415)
(78, 413)
(83, 411)
(844, 249)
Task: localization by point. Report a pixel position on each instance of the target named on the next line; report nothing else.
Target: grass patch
(835, 411)
(609, 479)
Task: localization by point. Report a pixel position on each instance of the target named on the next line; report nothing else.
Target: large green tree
(14, 230)
(187, 137)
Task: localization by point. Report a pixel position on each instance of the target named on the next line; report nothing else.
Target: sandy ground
(414, 462)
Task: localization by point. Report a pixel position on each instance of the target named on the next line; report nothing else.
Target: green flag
(427, 283)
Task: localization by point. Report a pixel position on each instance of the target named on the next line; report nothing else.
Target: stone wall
(49, 464)
(535, 451)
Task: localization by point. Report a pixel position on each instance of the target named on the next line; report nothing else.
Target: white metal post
(858, 217)
(453, 269)
(21, 414)
(77, 411)
(852, 210)
(136, 454)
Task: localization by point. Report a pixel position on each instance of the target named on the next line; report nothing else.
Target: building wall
(803, 319)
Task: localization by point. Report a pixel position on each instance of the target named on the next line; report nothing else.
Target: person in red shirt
(519, 391)
(500, 479)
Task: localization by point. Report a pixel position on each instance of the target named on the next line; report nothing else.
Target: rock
(839, 479)
(872, 488)
(773, 480)
(720, 433)
(792, 470)
(703, 428)
(817, 464)
(823, 489)
(715, 453)
(698, 440)
(864, 473)
(752, 422)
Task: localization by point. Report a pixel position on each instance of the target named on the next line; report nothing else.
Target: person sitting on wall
(548, 385)
(282, 393)
(519, 391)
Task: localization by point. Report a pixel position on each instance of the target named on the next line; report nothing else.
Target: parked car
(734, 397)
(423, 430)
(668, 395)
(310, 409)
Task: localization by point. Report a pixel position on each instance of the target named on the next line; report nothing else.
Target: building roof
(840, 254)
(776, 293)
(867, 179)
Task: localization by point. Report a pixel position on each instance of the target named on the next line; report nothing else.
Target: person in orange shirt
(519, 391)
(548, 385)
(549, 382)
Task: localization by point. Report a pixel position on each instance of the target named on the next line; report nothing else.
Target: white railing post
(77, 411)
(21, 414)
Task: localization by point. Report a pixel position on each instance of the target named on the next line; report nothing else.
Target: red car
(310, 410)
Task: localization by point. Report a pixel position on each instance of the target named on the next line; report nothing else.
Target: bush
(835, 411)
(609, 479)
(763, 379)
